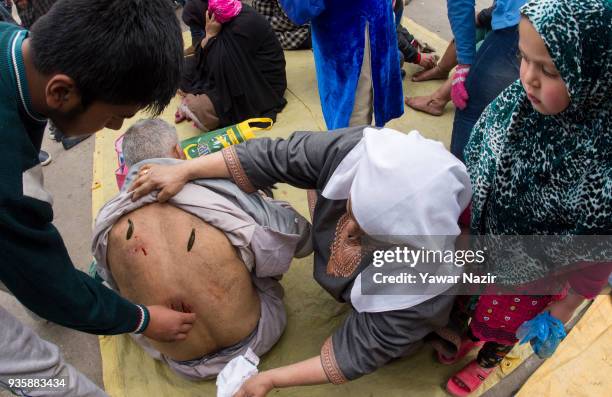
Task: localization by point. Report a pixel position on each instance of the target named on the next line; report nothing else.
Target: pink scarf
(224, 10)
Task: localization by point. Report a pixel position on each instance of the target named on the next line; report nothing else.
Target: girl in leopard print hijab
(540, 163)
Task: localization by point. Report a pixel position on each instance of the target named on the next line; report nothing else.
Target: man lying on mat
(212, 250)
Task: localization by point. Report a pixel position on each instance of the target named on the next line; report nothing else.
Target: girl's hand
(256, 386)
(459, 94)
(169, 179)
(565, 308)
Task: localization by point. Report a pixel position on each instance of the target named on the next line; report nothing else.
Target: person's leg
(491, 354)
(364, 95)
(496, 67)
(433, 104)
(201, 111)
(470, 377)
(442, 69)
(26, 356)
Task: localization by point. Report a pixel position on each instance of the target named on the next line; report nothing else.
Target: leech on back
(130, 230)
(191, 240)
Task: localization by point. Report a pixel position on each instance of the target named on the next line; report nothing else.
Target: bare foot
(431, 74)
(426, 104)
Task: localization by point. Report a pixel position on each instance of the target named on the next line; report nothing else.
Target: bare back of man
(162, 255)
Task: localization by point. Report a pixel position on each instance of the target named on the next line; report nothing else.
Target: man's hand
(256, 386)
(167, 325)
(212, 26)
(169, 178)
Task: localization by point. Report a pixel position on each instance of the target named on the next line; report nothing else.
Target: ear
(179, 152)
(61, 94)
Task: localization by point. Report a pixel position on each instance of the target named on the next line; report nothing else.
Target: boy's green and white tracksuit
(34, 263)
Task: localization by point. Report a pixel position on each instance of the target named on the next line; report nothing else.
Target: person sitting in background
(435, 102)
(411, 50)
(30, 10)
(290, 35)
(5, 12)
(213, 250)
(238, 71)
(414, 52)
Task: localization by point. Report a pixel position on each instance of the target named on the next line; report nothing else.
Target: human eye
(547, 72)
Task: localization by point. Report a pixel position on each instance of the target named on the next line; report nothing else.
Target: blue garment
(462, 17)
(338, 41)
(496, 67)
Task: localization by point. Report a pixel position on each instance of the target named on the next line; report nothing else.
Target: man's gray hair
(149, 139)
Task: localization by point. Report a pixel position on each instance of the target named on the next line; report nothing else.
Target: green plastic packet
(213, 141)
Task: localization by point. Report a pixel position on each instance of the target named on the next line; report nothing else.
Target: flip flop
(471, 376)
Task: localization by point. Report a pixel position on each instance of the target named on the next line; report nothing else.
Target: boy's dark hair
(117, 51)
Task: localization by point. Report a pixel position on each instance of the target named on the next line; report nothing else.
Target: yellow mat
(312, 314)
(582, 365)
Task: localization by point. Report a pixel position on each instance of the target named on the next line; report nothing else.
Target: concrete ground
(69, 179)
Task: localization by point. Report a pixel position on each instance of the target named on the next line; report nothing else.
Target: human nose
(531, 76)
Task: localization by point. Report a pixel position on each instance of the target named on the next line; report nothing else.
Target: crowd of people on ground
(530, 154)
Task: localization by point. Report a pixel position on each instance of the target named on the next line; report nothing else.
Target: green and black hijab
(535, 174)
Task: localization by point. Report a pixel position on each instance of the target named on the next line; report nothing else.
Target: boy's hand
(256, 386)
(167, 325)
(212, 26)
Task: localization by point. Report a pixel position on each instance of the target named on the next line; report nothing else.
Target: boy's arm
(36, 268)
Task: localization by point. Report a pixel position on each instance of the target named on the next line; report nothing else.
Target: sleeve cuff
(236, 171)
(143, 321)
(330, 365)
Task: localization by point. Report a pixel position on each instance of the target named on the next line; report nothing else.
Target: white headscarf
(403, 188)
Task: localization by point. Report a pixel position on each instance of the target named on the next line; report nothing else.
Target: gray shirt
(267, 233)
(365, 341)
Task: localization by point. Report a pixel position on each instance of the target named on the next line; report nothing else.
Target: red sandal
(466, 381)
